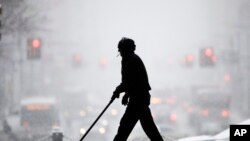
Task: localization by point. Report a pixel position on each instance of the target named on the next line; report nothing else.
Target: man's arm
(119, 89)
(122, 87)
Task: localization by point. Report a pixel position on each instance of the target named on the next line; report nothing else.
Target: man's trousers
(132, 114)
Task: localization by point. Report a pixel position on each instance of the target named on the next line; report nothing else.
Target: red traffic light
(103, 62)
(225, 113)
(189, 58)
(77, 60)
(208, 52)
(77, 57)
(36, 43)
(227, 77)
(34, 48)
(207, 57)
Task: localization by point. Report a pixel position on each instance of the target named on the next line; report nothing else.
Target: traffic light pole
(97, 119)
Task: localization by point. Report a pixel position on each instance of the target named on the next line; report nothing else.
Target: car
(221, 136)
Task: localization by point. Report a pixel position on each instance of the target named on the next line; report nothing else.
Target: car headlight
(82, 113)
(102, 130)
(82, 131)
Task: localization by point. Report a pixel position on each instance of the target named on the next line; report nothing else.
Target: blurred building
(241, 74)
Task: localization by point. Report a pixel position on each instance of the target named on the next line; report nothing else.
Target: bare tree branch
(21, 16)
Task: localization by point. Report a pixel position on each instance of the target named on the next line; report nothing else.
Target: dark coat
(134, 77)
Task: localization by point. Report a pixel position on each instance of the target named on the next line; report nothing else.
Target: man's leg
(148, 125)
(127, 124)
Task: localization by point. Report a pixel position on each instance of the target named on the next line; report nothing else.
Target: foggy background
(77, 63)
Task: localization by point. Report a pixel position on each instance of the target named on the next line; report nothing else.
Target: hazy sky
(164, 31)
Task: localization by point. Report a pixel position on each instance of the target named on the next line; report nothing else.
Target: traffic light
(34, 48)
(207, 57)
(227, 77)
(103, 62)
(76, 60)
(188, 60)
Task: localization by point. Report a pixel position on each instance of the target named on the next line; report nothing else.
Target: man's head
(126, 46)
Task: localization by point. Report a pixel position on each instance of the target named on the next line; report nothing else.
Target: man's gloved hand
(115, 95)
(125, 100)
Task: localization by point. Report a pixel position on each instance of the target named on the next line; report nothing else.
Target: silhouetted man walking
(137, 97)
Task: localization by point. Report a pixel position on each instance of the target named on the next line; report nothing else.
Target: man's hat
(126, 44)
